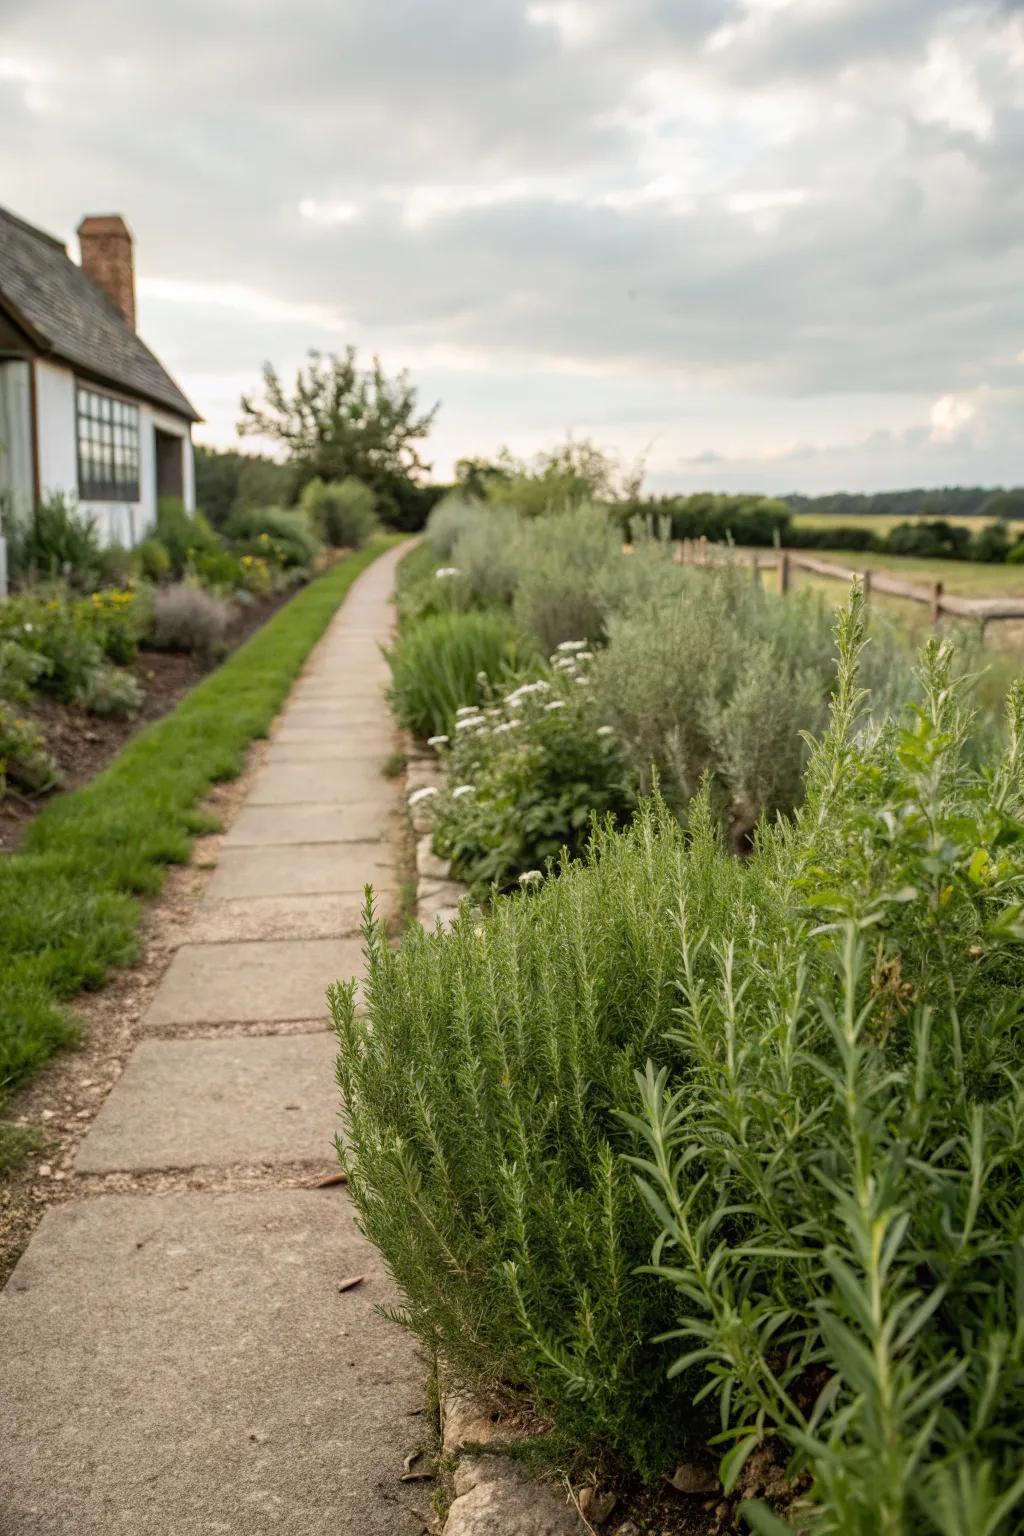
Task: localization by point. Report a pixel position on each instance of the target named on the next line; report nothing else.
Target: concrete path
(185, 1362)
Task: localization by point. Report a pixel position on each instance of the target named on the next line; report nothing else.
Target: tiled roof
(70, 317)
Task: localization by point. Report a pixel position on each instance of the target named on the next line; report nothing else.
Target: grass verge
(68, 899)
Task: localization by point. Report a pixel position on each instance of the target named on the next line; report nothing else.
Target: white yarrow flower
(463, 789)
(426, 793)
(555, 704)
(530, 877)
(445, 571)
(437, 741)
(606, 730)
(469, 722)
(572, 645)
(584, 682)
(466, 709)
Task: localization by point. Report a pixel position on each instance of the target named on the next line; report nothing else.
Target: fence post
(937, 603)
(755, 568)
(867, 585)
(703, 547)
(783, 572)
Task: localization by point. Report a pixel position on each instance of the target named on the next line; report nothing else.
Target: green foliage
(60, 543)
(343, 513)
(227, 480)
(154, 560)
(557, 595)
(25, 763)
(990, 544)
(20, 670)
(739, 519)
(68, 896)
(526, 774)
(575, 473)
(183, 535)
(339, 420)
(810, 1060)
(282, 535)
(72, 640)
(111, 693)
(484, 1152)
(836, 1161)
(934, 540)
(448, 660)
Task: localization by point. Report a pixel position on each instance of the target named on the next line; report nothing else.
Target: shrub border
(91, 852)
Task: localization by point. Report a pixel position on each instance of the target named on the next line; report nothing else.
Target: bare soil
(84, 745)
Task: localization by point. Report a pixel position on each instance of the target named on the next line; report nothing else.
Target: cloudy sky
(771, 243)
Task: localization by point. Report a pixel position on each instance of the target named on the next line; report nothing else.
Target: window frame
(107, 442)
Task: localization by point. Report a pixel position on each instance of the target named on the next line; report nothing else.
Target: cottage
(86, 410)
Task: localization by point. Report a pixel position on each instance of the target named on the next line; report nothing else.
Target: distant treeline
(761, 521)
(950, 501)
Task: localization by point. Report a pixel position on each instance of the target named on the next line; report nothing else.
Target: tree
(340, 420)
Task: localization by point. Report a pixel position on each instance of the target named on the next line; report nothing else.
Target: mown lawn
(69, 905)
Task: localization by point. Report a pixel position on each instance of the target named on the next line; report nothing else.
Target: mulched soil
(84, 745)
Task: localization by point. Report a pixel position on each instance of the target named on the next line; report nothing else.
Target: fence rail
(932, 595)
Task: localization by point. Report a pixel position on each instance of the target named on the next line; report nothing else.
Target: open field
(881, 524)
(966, 578)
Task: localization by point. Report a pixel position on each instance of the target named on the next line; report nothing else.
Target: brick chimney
(105, 242)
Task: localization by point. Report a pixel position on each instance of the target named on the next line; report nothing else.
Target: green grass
(69, 897)
(966, 578)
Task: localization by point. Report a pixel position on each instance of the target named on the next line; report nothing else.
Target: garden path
(184, 1357)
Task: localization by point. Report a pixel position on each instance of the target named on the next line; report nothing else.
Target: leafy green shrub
(556, 593)
(61, 633)
(183, 535)
(60, 543)
(526, 775)
(451, 516)
(720, 680)
(447, 660)
(20, 669)
(836, 1164)
(488, 554)
(154, 560)
(343, 512)
(115, 618)
(276, 533)
(810, 1059)
(934, 540)
(24, 760)
(990, 544)
(118, 565)
(188, 618)
(112, 693)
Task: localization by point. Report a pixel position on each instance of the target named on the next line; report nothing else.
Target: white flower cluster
(463, 789)
(438, 741)
(426, 793)
(530, 877)
(445, 571)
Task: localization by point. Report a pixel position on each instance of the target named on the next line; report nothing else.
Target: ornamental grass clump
(448, 659)
(691, 1152)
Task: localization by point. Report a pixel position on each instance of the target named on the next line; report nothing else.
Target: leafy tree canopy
(338, 419)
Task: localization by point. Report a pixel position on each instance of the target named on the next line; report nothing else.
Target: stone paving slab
(306, 869)
(307, 722)
(185, 1365)
(218, 1103)
(258, 826)
(285, 917)
(359, 779)
(252, 983)
(328, 746)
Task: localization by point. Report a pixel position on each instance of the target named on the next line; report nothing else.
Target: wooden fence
(703, 555)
